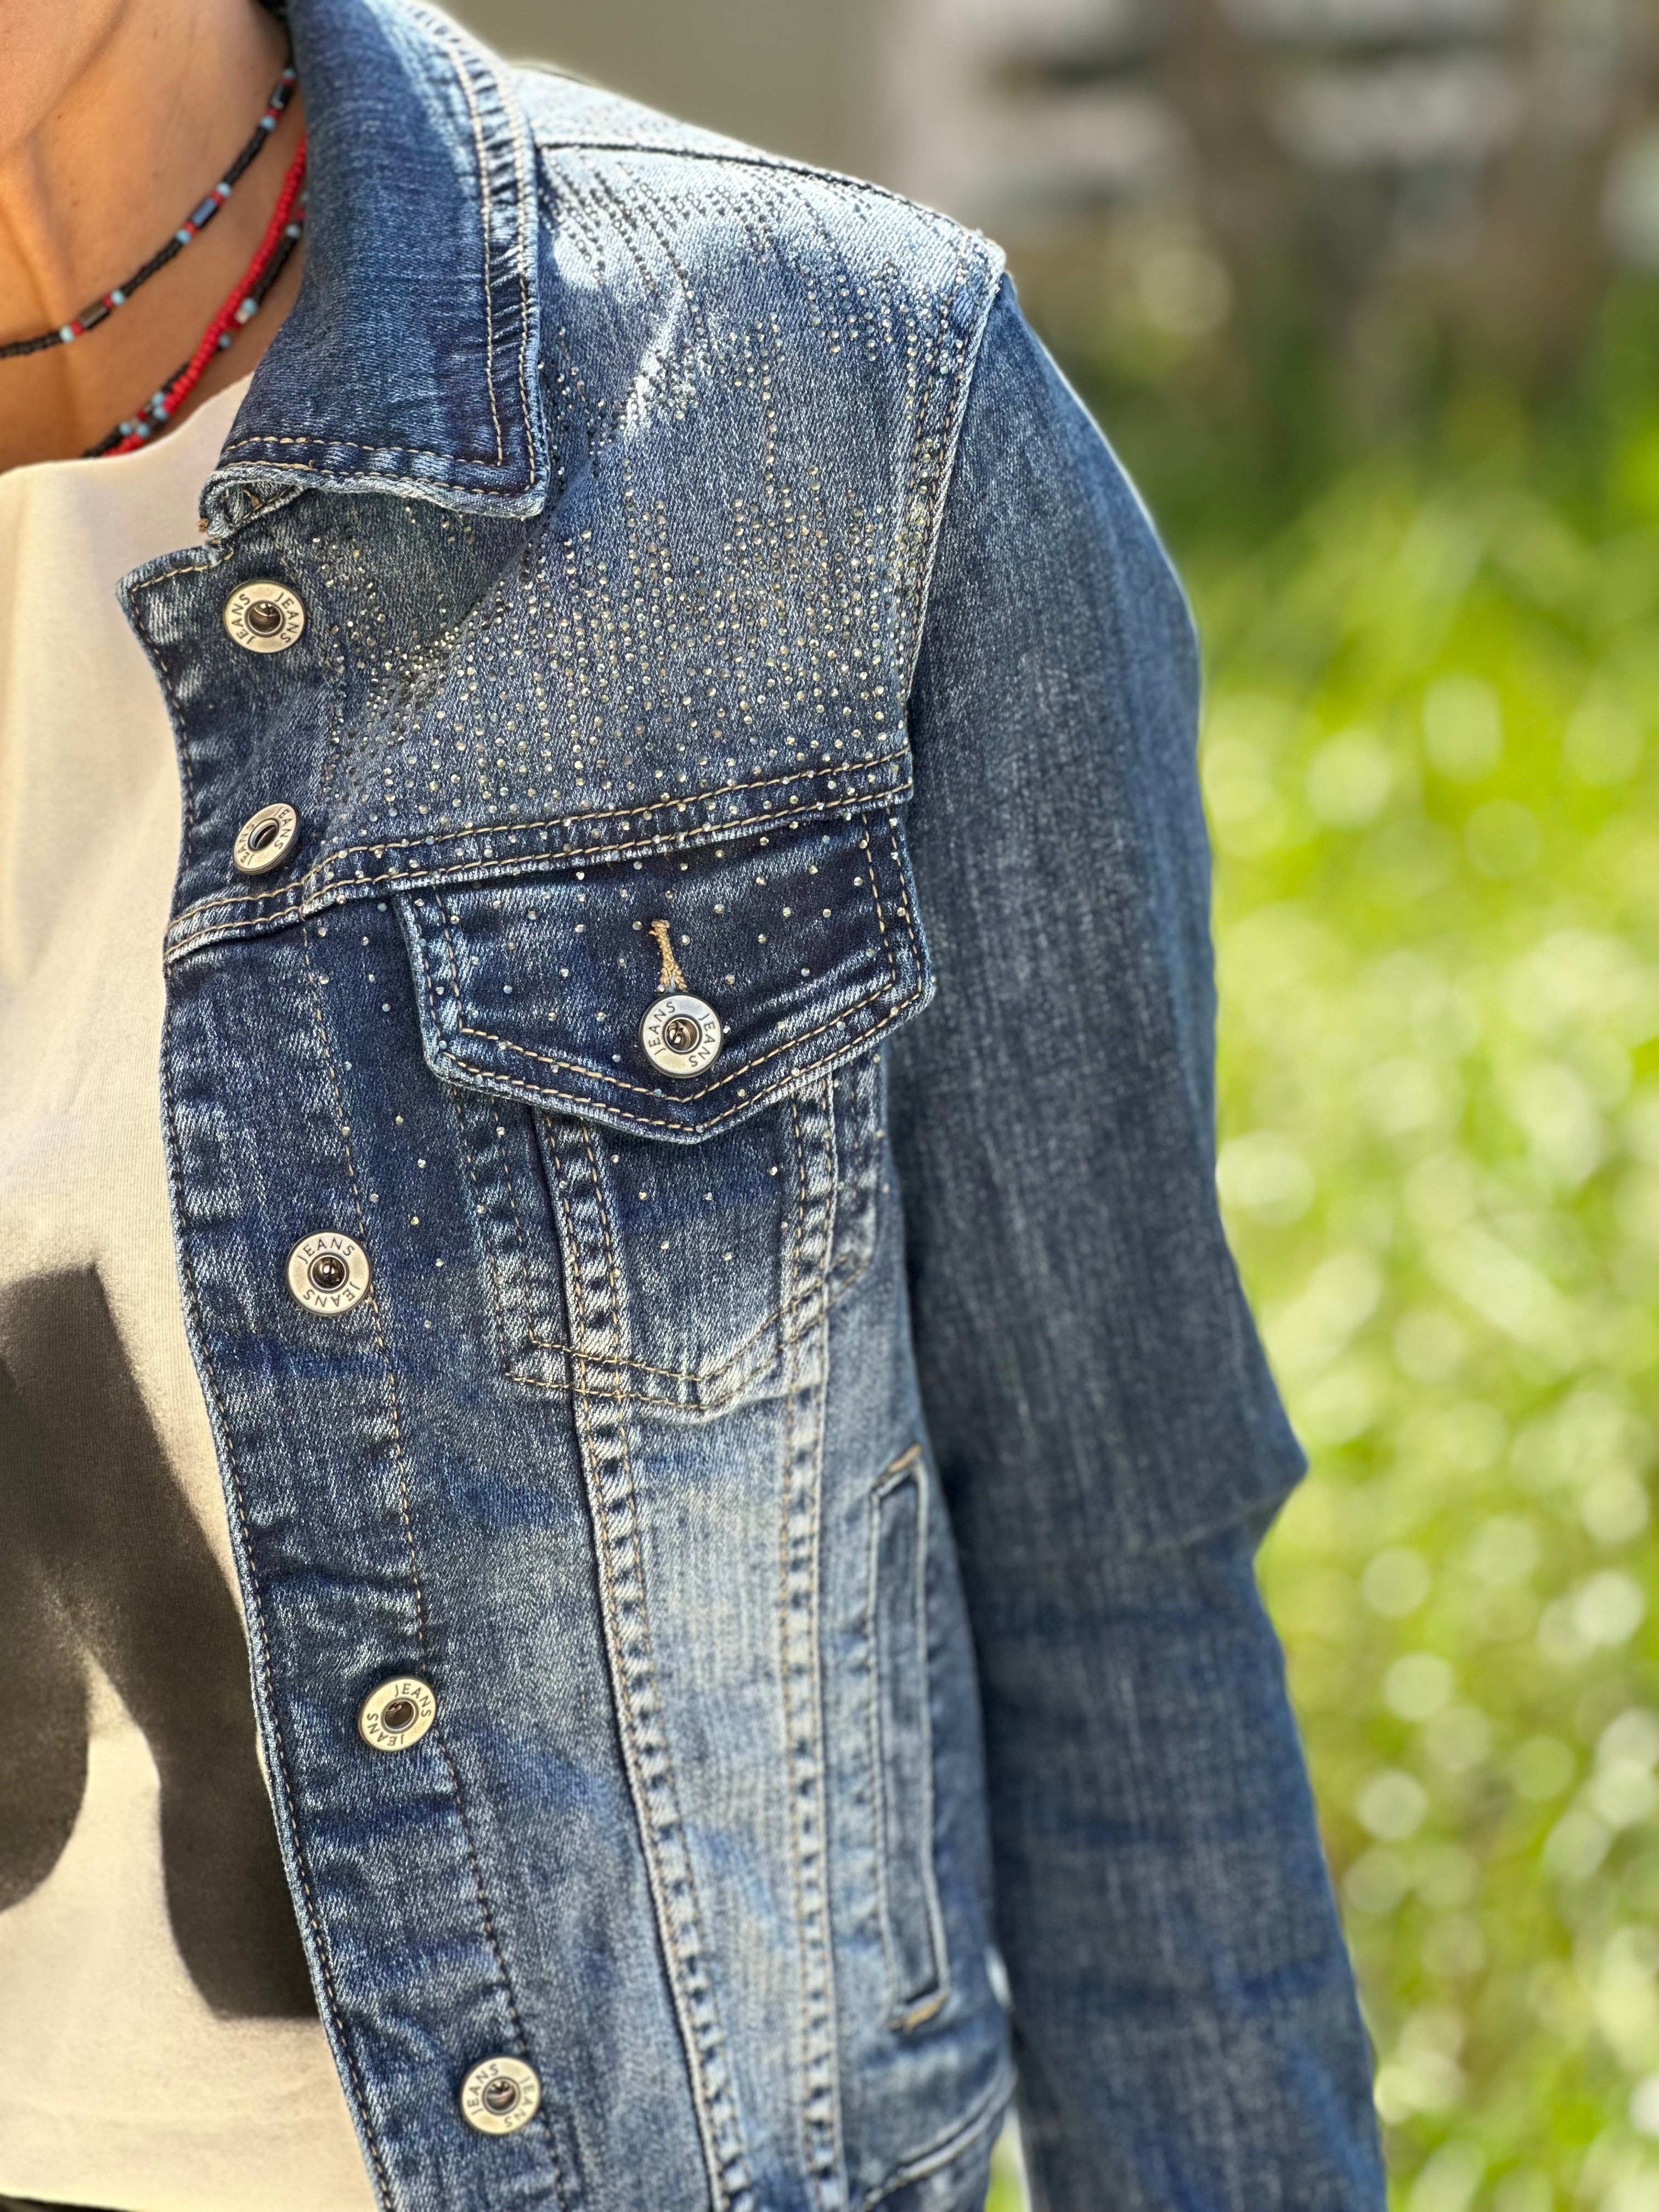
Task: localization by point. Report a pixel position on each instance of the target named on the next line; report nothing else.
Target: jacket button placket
(259, 1069)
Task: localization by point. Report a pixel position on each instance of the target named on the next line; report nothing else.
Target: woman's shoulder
(612, 166)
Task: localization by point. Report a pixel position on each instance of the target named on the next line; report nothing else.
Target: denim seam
(898, 851)
(925, 488)
(491, 868)
(368, 479)
(614, 1395)
(909, 1467)
(523, 1327)
(738, 157)
(721, 2106)
(645, 1745)
(196, 563)
(784, 1082)
(481, 1200)
(682, 1374)
(989, 269)
(830, 1060)
(784, 1670)
(668, 1121)
(921, 501)
(526, 175)
(458, 64)
(625, 815)
(260, 1645)
(798, 1591)
(987, 2113)
(835, 2181)
(867, 845)
(847, 1268)
(439, 1731)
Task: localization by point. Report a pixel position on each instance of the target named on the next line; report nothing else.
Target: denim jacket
(688, 1084)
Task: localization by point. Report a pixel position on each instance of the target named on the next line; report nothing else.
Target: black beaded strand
(158, 408)
(192, 227)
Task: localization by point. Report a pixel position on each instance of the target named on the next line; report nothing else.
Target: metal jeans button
(500, 2095)
(681, 1035)
(397, 1713)
(266, 839)
(328, 1271)
(264, 617)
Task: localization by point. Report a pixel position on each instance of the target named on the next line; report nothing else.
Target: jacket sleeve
(1109, 1439)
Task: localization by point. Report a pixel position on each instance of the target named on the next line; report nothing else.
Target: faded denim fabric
(820, 1491)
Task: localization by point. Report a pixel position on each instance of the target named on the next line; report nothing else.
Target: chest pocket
(648, 1232)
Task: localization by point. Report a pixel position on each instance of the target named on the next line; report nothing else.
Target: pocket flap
(804, 943)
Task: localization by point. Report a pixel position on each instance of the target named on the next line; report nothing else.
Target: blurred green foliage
(1430, 764)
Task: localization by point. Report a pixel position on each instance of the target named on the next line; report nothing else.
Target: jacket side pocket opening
(912, 1927)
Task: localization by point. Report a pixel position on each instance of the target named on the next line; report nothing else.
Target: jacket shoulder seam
(549, 139)
(738, 157)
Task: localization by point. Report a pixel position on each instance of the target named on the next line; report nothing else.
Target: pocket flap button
(266, 839)
(681, 1034)
(397, 1714)
(328, 1271)
(500, 2095)
(264, 617)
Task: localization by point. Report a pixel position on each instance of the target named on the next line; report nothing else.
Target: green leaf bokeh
(1428, 764)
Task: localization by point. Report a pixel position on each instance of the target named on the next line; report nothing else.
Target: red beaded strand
(282, 235)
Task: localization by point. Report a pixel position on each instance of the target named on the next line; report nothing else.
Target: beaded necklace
(242, 303)
(192, 227)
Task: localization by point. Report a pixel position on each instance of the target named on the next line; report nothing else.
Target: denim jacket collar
(408, 359)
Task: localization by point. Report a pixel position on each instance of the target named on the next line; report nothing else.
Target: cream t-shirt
(159, 2048)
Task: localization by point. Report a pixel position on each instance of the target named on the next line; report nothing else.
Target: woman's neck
(121, 115)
